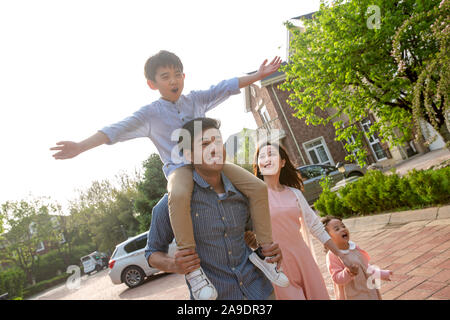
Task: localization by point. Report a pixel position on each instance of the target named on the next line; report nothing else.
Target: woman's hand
(352, 267)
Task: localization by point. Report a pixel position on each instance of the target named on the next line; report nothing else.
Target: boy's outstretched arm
(70, 149)
(263, 71)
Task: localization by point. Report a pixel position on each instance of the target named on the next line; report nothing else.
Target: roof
(305, 16)
(273, 76)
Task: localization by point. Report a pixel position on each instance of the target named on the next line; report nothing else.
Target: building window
(318, 152)
(265, 117)
(374, 142)
(62, 239)
(33, 228)
(40, 247)
(55, 222)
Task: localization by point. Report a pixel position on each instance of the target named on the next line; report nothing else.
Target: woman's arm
(344, 258)
(317, 229)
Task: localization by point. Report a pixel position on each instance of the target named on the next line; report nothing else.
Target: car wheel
(355, 174)
(133, 276)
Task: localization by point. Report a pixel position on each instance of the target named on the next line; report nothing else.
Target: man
(220, 217)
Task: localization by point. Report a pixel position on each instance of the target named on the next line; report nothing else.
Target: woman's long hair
(289, 176)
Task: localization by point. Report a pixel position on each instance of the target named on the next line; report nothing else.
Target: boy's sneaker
(269, 269)
(201, 287)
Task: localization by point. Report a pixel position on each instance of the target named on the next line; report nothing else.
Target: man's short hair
(162, 59)
(188, 130)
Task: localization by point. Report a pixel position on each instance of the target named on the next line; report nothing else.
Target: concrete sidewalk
(415, 245)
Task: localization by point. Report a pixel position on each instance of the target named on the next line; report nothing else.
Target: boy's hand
(263, 71)
(250, 239)
(266, 70)
(68, 149)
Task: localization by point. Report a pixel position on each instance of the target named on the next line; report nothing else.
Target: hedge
(377, 192)
(43, 285)
(12, 282)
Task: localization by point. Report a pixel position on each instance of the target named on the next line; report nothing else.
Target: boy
(158, 121)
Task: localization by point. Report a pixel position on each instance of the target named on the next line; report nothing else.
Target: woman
(290, 213)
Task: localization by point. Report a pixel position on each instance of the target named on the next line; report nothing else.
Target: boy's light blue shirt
(160, 120)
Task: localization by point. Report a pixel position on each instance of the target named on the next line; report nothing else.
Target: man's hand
(266, 70)
(274, 252)
(186, 261)
(67, 150)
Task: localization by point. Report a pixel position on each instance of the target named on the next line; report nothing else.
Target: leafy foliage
(150, 190)
(340, 70)
(377, 192)
(430, 93)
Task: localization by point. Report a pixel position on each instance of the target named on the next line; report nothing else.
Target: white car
(95, 261)
(128, 264)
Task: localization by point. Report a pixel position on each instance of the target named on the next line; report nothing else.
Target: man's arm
(70, 149)
(184, 261)
(263, 71)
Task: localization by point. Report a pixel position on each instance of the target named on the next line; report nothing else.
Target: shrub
(43, 285)
(12, 282)
(332, 204)
(377, 192)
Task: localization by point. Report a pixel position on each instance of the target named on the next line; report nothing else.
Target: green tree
(29, 224)
(430, 92)
(342, 66)
(150, 190)
(245, 149)
(104, 212)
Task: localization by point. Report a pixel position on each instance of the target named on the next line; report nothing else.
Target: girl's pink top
(364, 285)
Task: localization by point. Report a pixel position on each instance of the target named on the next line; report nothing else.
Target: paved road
(418, 252)
(98, 286)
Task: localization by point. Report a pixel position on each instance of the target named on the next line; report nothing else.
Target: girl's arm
(339, 273)
(317, 229)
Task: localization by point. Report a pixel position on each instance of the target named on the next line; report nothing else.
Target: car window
(304, 173)
(330, 169)
(136, 244)
(130, 247)
(141, 243)
(315, 171)
(114, 253)
(84, 259)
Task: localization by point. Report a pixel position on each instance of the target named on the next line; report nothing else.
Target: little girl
(348, 285)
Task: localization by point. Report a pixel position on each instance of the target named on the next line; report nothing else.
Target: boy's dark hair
(162, 59)
(189, 127)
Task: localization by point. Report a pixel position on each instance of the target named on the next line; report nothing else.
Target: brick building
(308, 144)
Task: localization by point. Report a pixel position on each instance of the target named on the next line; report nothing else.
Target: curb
(397, 219)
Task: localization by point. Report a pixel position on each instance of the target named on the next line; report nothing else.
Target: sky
(69, 68)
